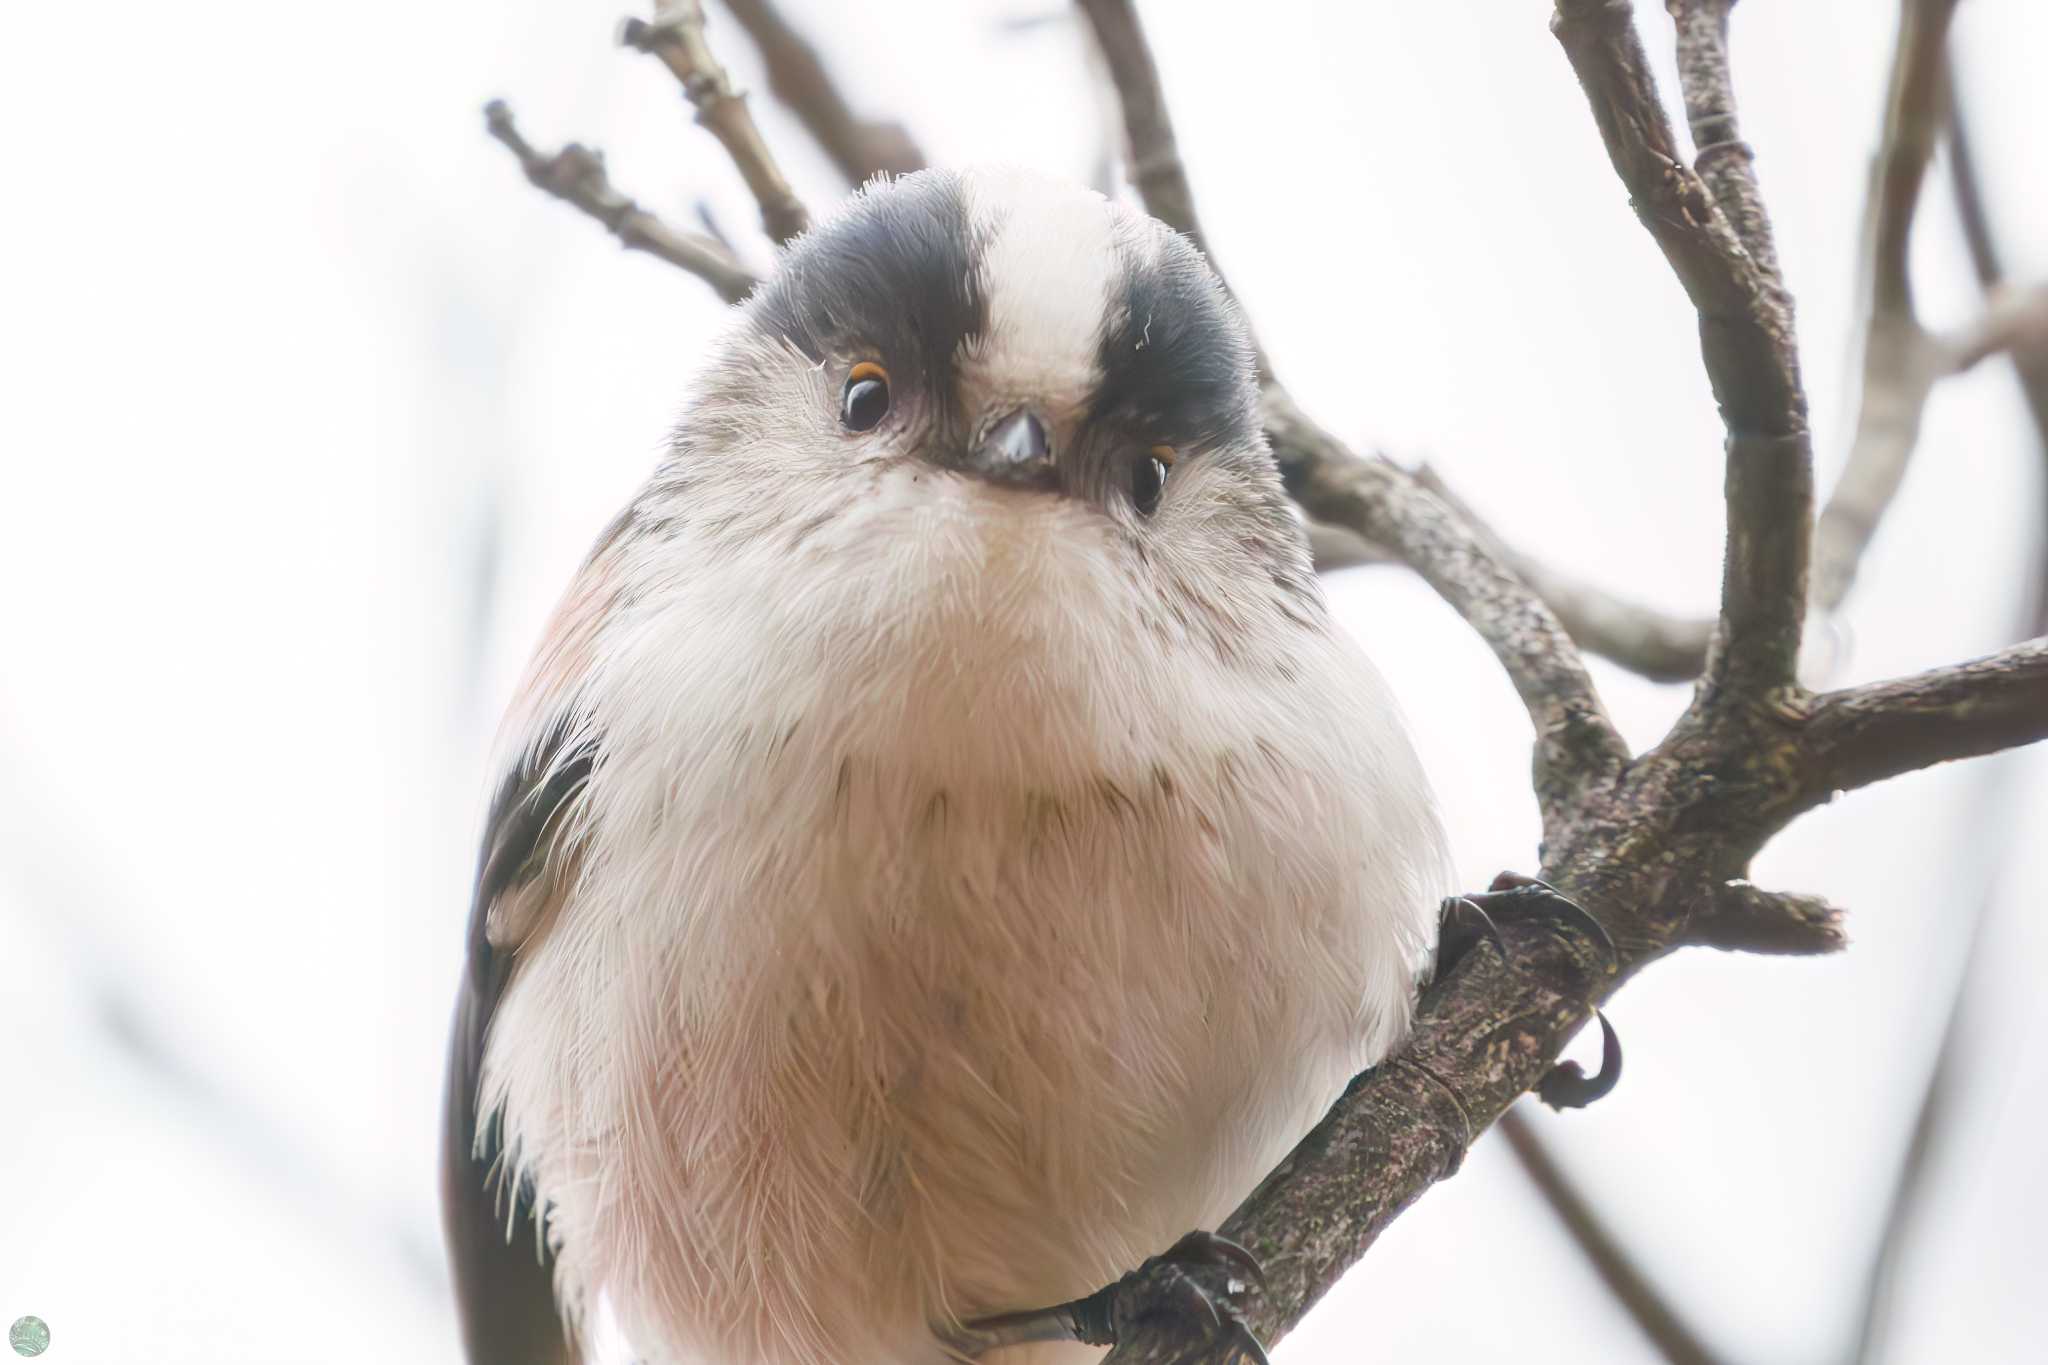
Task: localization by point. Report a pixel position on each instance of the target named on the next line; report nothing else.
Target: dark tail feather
(504, 1286)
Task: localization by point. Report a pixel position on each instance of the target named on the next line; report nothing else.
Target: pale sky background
(311, 405)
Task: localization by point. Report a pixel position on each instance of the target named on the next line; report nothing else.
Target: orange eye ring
(864, 402)
(1166, 455)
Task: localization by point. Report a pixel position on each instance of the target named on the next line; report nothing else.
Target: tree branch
(1652, 643)
(1661, 647)
(1479, 1043)
(1152, 151)
(1912, 125)
(1156, 168)
(1631, 1288)
(1901, 362)
(1937, 1100)
(1867, 734)
(676, 36)
(1724, 161)
(2029, 353)
(1748, 919)
(576, 175)
(1746, 340)
(860, 148)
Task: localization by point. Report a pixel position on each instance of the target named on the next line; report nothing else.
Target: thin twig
(1152, 151)
(1654, 644)
(1156, 168)
(1724, 161)
(1659, 646)
(1937, 1099)
(1967, 189)
(676, 36)
(2029, 354)
(2013, 320)
(1746, 340)
(1914, 102)
(1643, 1301)
(861, 148)
(1907, 1197)
(576, 175)
(1902, 360)
(1901, 363)
(1936, 1111)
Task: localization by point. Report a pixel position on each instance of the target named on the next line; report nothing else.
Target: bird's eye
(1148, 478)
(866, 400)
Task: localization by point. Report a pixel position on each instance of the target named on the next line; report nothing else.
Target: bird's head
(1017, 337)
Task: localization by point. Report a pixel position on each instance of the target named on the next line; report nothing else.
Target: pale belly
(870, 1052)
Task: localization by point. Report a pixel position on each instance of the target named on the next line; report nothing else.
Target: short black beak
(1015, 450)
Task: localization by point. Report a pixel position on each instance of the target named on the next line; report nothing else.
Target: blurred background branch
(1902, 359)
(1645, 1304)
(1935, 1116)
(861, 148)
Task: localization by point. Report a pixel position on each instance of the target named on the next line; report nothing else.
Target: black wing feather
(504, 1280)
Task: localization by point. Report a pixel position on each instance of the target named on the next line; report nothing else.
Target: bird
(943, 848)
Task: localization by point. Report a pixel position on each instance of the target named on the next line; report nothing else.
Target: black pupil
(1148, 480)
(865, 404)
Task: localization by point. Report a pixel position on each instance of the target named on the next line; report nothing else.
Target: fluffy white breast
(953, 928)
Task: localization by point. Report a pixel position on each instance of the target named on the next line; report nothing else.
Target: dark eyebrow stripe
(898, 271)
(1174, 359)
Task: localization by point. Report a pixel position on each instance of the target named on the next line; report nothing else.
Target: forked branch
(1902, 360)
(576, 175)
(1746, 341)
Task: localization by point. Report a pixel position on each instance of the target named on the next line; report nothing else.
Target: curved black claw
(1462, 924)
(1162, 1288)
(1165, 1288)
(1567, 1086)
(1515, 896)
(1212, 1248)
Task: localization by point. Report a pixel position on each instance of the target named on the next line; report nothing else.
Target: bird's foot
(1567, 1086)
(1180, 1287)
(1467, 921)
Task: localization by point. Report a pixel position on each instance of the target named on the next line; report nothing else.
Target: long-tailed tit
(945, 849)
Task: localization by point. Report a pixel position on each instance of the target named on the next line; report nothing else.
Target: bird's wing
(503, 1272)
